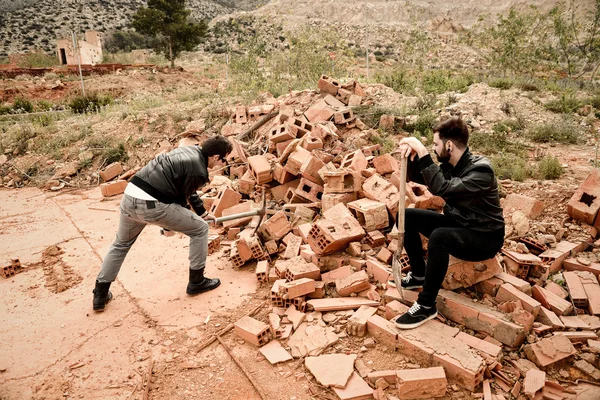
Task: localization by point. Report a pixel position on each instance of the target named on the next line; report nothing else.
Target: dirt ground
(55, 346)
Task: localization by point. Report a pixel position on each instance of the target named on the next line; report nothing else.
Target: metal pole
(367, 38)
(78, 50)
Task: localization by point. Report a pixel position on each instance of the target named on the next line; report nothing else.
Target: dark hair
(453, 129)
(217, 145)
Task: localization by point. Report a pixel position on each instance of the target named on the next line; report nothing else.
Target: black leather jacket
(175, 176)
(470, 190)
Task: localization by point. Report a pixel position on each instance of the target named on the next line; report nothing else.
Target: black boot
(199, 284)
(102, 295)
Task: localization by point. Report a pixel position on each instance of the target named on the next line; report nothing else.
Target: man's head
(450, 137)
(215, 149)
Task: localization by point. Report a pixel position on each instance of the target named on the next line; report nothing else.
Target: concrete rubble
(323, 252)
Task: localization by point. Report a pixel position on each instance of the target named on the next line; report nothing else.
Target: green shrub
(558, 133)
(496, 142)
(441, 81)
(22, 105)
(423, 125)
(91, 102)
(116, 153)
(509, 166)
(501, 83)
(398, 79)
(37, 60)
(549, 167)
(565, 104)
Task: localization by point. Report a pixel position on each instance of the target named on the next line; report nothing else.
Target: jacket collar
(460, 165)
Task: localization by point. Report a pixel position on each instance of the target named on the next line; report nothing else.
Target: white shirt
(134, 191)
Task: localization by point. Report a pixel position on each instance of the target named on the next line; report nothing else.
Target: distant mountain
(28, 25)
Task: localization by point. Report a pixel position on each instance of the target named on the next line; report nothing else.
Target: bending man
(159, 195)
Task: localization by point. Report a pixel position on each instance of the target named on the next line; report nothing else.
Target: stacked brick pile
(326, 247)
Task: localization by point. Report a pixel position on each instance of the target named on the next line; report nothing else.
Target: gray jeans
(136, 214)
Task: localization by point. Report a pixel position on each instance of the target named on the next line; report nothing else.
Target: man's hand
(209, 218)
(411, 146)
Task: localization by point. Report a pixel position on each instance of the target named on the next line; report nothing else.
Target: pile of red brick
(326, 248)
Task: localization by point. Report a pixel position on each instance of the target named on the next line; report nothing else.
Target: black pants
(446, 238)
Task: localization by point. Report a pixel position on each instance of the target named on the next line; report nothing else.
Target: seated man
(472, 225)
(159, 195)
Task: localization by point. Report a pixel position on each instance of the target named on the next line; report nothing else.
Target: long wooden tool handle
(396, 266)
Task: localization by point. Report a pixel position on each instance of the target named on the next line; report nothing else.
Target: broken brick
(371, 214)
(508, 292)
(463, 274)
(354, 283)
(550, 350)
(585, 202)
(421, 383)
(226, 198)
(357, 323)
(531, 207)
(253, 331)
(110, 189)
(111, 171)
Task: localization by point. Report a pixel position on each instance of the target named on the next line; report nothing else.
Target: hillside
(28, 25)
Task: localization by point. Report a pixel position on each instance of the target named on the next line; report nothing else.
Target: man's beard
(444, 157)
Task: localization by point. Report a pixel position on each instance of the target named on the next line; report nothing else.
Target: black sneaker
(417, 315)
(408, 282)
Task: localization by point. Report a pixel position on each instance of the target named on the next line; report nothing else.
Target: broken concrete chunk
(331, 370)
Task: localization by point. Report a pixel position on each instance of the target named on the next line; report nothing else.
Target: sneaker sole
(202, 291)
(416, 324)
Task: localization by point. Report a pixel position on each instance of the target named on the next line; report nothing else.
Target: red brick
(260, 168)
(385, 164)
(551, 301)
(297, 288)
(276, 227)
(571, 264)
(341, 303)
(463, 274)
(481, 318)
(344, 116)
(319, 292)
(534, 382)
(262, 271)
(556, 289)
(247, 184)
(253, 331)
(356, 389)
(394, 308)
(355, 160)
(556, 256)
(237, 209)
(240, 115)
(339, 273)
(421, 383)
(550, 350)
(296, 159)
(113, 188)
(297, 268)
(435, 344)
(310, 169)
(354, 283)
(576, 289)
(379, 189)
(592, 291)
(375, 239)
(111, 171)
(309, 190)
(577, 337)
(226, 198)
(508, 292)
(532, 208)
(520, 284)
(335, 231)
(341, 181)
(481, 345)
(281, 175)
(489, 286)
(357, 323)
(585, 202)
(311, 142)
(371, 214)
(282, 133)
(381, 273)
(331, 199)
(328, 85)
(293, 247)
(549, 318)
(319, 112)
(382, 330)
